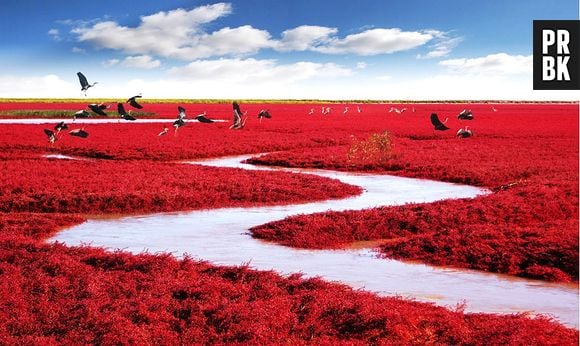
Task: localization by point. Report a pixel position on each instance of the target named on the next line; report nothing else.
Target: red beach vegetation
(54, 294)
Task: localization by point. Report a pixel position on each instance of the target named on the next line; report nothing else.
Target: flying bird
(180, 119)
(98, 108)
(163, 132)
(60, 126)
(181, 115)
(123, 114)
(239, 120)
(264, 113)
(358, 110)
(464, 133)
(345, 110)
(493, 109)
(397, 110)
(439, 126)
(203, 119)
(465, 115)
(51, 136)
(81, 114)
(79, 133)
(311, 111)
(133, 102)
(177, 124)
(84, 83)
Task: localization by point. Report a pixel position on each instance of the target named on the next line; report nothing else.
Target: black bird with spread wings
(81, 114)
(178, 123)
(51, 136)
(239, 122)
(203, 119)
(464, 133)
(98, 108)
(79, 133)
(123, 113)
(465, 115)
(133, 102)
(438, 124)
(180, 119)
(84, 82)
(181, 115)
(264, 114)
(60, 126)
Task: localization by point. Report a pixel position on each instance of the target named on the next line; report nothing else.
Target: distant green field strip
(52, 113)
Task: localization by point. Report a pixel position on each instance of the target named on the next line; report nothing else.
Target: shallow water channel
(221, 237)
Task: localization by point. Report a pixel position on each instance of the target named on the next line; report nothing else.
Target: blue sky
(367, 49)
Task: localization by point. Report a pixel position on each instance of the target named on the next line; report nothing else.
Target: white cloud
(180, 34)
(54, 34)
(442, 45)
(81, 22)
(177, 34)
(141, 61)
(372, 41)
(256, 71)
(497, 64)
(180, 22)
(111, 62)
(305, 37)
(229, 41)
(375, 41)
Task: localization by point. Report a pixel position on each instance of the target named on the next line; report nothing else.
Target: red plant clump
(487, 234)
(52, 294)
(21, 227)
(104, 186)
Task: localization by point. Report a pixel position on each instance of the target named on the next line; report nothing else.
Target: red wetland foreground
(526, 155)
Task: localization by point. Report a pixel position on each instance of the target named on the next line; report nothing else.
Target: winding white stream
(221, 236)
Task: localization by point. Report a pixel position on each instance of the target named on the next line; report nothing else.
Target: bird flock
(100, 109)
(464, 132)
(239, 117)
(438, 124)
